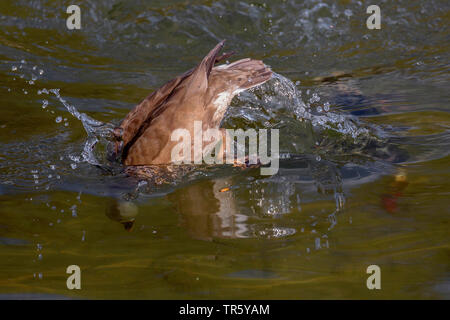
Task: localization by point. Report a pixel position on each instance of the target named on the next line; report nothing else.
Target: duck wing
(228, 80)
(139, 119)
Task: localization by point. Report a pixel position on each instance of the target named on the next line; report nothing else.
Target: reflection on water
(364, 139)
(246, 205)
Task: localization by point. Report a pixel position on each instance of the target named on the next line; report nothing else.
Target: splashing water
(96, 130)
(263, 106)
(329, 159)
(282, 93)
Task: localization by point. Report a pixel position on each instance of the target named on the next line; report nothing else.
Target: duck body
(201, 94)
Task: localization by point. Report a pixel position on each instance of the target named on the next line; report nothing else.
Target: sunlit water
(364, 139)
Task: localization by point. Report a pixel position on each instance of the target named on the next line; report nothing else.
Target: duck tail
(213, 57)
(248, 73)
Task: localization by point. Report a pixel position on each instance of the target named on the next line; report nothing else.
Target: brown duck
(201, 94)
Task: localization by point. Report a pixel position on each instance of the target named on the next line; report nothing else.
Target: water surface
(364, 125)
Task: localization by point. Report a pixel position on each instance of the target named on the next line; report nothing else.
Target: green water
(342, 204)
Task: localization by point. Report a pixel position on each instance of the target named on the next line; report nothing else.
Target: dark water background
(365, 112)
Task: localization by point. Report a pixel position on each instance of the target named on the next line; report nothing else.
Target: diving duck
(200, 94)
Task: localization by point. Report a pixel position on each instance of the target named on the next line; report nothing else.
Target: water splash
(280, 93)
(96, 130)
(262, 105)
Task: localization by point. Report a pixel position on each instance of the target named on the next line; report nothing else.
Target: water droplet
(44, 104)
(142, 183)
(315, 98)
(73, 166)
(13, 68)
(340, 201)
(41, 72)
(74, 210)
(58, 119)
(317, 243)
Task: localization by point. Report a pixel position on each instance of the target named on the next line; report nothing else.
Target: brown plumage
(201, 94)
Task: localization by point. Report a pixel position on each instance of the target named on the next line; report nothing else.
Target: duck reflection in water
(207, 210)
(244, 205)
